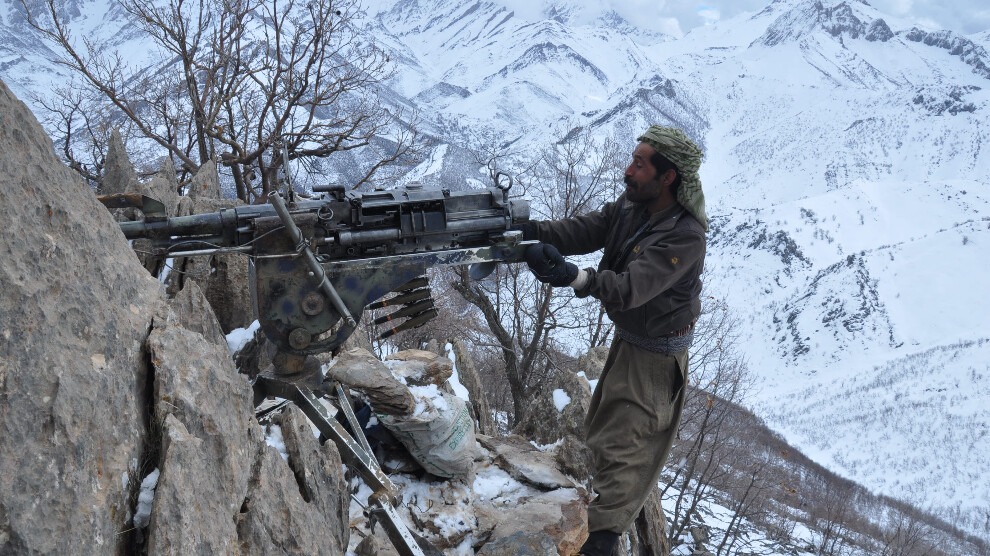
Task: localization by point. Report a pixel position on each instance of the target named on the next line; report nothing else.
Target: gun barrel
(186, 227)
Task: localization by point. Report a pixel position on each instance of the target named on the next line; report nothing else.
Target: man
(649, 283)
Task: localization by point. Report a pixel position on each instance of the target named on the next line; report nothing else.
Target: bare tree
(528, 320)
(747, 500)
(705, 446)
(78, 121)
(909, 536)
(249, 83)
(833, 510)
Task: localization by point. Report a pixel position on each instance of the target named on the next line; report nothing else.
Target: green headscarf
(673, 144)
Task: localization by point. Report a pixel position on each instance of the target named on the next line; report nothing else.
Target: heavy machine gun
(318, 262)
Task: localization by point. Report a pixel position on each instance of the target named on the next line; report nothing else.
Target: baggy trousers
(631, 425)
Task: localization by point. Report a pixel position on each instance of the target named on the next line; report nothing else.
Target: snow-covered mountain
(847, 174)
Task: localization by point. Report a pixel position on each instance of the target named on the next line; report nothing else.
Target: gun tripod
(357, 453)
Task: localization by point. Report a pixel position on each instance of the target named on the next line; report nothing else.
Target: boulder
(209, 437)
(162, 187)
(301, 509)
(573, 457)
(553, 522)
(359, 369)
(419, 367)
(205, 184)
(593, 362)
(118, 172)
(75, 310)
(523, 462)
(557, 409)
(224, 278)
(222, 488)
(467, 374)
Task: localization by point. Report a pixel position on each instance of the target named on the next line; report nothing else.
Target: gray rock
(420, 368)
(206, 464)
(553, 522)
(359, 369)
(376, 544)
(205, 183)
(573, 457)
(118, 172)
(650, 527)
(520, 544)
(521, 460)
(224, 278)
(74, 313)
(468, 375)
(191, 311)
(161, 187)
(222, 489)
(299, 508)
(544, 422)
(593, 362)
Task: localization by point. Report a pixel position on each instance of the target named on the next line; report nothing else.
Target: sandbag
(439, 435)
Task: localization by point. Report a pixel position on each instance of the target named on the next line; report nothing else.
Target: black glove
(549, 266)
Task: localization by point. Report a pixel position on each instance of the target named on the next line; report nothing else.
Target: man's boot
(599, 543)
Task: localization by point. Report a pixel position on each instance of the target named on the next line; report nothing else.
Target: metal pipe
(316, 269)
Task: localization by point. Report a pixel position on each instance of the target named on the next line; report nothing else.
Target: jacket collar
(661, 221)
(667, 218)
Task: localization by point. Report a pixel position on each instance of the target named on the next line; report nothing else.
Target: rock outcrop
(103, 381)
(468, 376)
(222, 277)
(118, 172)
(74, 374)
(557, 409)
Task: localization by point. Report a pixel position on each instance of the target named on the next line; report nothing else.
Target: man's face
(642, 183)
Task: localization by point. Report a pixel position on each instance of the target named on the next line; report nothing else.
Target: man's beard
(632, 189)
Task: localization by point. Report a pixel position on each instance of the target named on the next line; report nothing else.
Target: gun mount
(318, 262)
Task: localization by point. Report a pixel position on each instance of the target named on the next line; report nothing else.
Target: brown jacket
(649, 278)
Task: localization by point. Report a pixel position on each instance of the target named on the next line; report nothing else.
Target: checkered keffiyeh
(675, 145)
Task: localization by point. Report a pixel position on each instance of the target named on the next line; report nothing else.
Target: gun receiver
(318, 262)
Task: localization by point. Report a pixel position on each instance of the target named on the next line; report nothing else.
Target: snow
(239, 337)
(455, 380)
(592, 383)
(560, 400)
(429, 401)
(146, 497)
(495, 485)
(274, 438)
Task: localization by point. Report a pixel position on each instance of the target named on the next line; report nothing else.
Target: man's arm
(654, 271)
(576, 235)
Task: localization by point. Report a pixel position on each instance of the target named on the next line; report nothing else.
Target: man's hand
(549, 266)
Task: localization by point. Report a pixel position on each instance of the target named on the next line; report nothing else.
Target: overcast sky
(677, 17)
